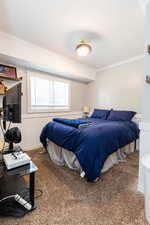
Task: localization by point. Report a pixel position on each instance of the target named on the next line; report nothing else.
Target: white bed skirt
(63, 157)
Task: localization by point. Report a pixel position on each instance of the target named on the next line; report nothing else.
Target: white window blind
(48, 94)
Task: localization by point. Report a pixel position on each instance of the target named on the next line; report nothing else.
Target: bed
(64, 158)
(92, 146)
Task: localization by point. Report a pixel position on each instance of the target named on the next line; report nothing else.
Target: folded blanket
(77, 123)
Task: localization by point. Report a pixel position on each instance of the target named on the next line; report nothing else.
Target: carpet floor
(69, 200)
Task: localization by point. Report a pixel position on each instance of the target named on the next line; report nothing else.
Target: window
(47, 93)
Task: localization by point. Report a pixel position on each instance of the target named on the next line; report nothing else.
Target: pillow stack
(113, 115)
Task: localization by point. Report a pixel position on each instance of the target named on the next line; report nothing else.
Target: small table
(30, 170)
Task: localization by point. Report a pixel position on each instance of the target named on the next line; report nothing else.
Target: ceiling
(115, 28)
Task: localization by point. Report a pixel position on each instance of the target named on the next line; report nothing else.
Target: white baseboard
(29, 148)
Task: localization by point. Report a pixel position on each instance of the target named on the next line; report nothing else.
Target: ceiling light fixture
(83, 48)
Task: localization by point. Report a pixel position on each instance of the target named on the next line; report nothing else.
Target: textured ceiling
(115, 28)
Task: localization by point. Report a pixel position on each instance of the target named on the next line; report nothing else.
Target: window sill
(52, 114)
(34, 111)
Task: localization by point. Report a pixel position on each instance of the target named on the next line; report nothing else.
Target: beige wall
(118, 88)
(32, 123)
(78, 91)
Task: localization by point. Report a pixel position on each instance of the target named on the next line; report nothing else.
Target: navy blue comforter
(73, 122)
(91, 145)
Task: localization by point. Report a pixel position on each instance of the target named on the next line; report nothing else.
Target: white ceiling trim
(142, 5)
(136, 58)
(145, 1)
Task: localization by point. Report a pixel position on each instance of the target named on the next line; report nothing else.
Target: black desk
(11, 178)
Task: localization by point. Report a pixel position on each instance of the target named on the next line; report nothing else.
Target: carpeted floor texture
(69, 200)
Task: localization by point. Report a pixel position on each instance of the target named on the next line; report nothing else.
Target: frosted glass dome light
(83, 48)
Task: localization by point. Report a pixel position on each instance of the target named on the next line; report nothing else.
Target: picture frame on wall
(8, 72)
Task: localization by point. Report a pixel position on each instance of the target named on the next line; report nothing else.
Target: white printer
(16, 159)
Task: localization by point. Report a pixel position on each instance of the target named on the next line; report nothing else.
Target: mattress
(63, 157)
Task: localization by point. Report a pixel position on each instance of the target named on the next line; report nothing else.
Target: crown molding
(145, 2)
(142, 5)
(130, 60)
